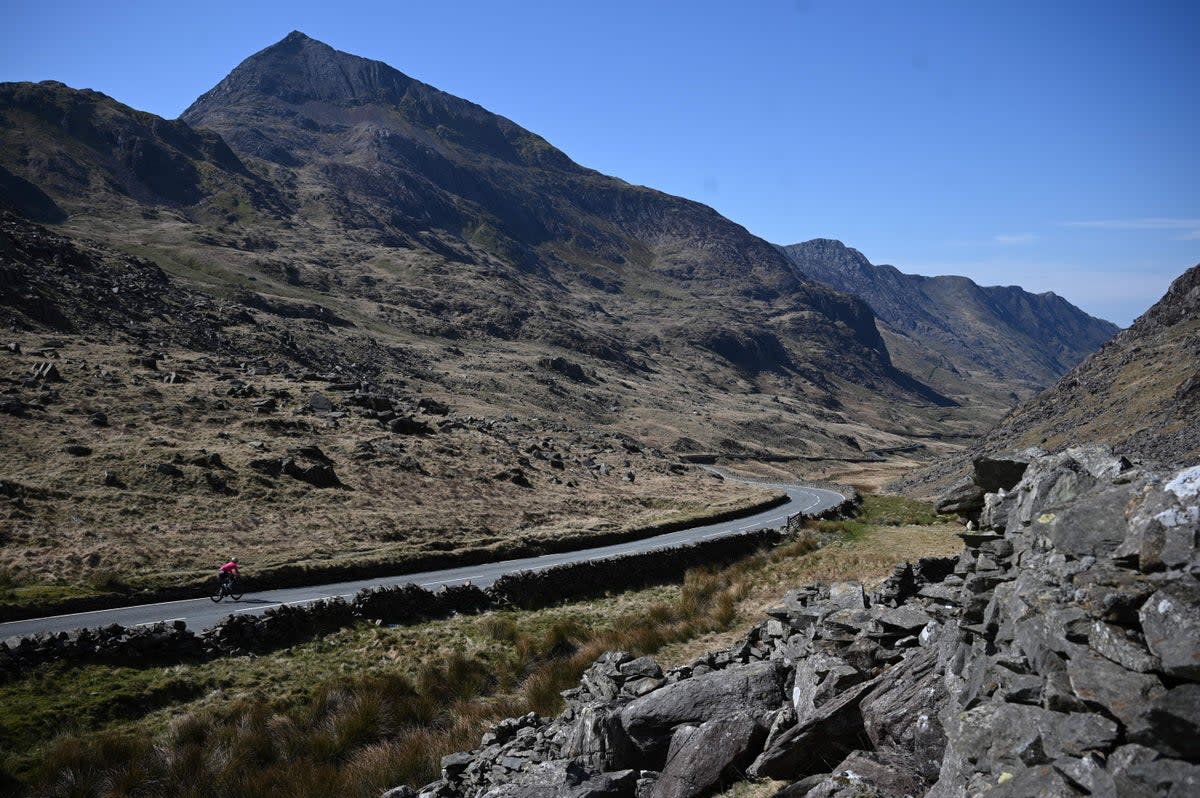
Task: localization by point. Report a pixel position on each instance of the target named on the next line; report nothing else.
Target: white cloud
(1190, 227)
(1015, 238)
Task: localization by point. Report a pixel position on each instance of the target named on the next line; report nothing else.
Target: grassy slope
(371, 707)
(405, 500)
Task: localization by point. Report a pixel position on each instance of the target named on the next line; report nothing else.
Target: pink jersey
(229, 568)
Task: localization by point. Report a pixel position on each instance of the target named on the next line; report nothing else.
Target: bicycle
(231, 588)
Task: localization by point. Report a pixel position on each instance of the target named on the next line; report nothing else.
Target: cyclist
(229, 572)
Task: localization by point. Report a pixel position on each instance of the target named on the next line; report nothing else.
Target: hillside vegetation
(371, 707)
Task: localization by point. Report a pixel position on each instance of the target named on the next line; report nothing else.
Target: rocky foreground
(1058, 655)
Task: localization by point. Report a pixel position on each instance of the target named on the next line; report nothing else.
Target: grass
(371, 707)
(68, 533)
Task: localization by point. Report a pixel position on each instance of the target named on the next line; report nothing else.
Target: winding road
(202, 613)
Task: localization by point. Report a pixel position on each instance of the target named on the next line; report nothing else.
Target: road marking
(257, 609)
(106, 609)
(452, 579)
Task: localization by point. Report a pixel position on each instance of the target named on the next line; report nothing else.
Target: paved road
(203, 613)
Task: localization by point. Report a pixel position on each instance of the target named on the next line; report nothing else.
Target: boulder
(1121, 693)
(996, 509)
(847, 595)
(964, 499)
(1138, 771)
(1117, 645)
(567, 780)
(1089, 528)
(1001, 472)
(1017, 735)
(701, 757)
(46, 372)
(433, 407)
(901, 713)
(753, 688)
(828, 734)
(867, 773)
(319, 475)
(1170, 722)
(1163, 531)
(598, 740)
(565, 367)
(407, 425)
(1171, 622)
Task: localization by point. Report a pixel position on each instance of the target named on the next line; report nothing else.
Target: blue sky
(1047, 145)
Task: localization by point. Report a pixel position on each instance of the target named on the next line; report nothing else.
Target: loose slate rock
(699, 756)
(1171, 622)
(832, 731)
(1171, 722)
(649, 721)
(567, 780)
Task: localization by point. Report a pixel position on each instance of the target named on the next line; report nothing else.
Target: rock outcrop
(1056, 655)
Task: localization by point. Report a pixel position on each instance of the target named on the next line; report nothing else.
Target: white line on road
(451, 579)
(259, 609)
(107, 609)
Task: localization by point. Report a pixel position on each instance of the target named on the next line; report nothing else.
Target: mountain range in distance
(335, 199)
(981, 343)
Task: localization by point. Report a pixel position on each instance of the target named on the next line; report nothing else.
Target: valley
(350, 320)
(359, 332)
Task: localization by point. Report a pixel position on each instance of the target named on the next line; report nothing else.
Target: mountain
(1139, 393)
(100, 157)
(311, 176)
(329, 283)
(963, 338)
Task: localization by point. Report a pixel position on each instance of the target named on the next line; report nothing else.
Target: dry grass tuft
(389, 703)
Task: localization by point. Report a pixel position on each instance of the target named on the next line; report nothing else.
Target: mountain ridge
(1003, 332)
(424, 224)
(1139, 394)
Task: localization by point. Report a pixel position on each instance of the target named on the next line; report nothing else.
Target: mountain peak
(299, 69)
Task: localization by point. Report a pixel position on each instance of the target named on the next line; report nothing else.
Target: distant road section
(203, 613)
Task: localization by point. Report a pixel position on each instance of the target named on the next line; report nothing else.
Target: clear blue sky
(1048, 145)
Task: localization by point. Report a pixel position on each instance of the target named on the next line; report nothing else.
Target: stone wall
(1056, 656)
(289, 624)
(300, 576)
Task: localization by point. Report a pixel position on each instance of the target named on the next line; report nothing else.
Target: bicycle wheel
(218, 594)
(235, 592)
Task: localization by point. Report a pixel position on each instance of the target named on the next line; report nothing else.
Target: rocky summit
(1055, 656)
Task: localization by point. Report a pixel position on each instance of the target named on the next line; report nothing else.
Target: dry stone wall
(1057, 655)
(289, 624)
